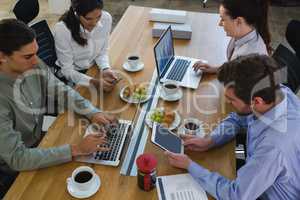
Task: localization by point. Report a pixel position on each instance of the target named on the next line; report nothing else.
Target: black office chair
(46, 44)
(46, 52)
(287, 58)
(26, 10)
(292, 35)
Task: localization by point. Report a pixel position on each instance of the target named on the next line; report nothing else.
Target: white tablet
(166, 139)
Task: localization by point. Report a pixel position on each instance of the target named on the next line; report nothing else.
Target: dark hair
(71, 17)
(251, 76)
(255, 12)
(14, 34)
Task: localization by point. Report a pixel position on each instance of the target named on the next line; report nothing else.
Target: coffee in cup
(193, 126)
(170, 88)
(83, 178)
(133, 61)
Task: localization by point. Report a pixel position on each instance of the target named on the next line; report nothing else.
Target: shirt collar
(250, 36)
(277, 113)
(7, 79)
(88, 33)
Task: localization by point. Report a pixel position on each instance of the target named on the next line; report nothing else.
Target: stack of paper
(179, 31)
(179, 187)
(176, 18)
(165, 15)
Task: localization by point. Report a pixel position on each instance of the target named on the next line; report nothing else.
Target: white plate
(173, 126)
(132, 100)
(174, 97)
(133, 69)
(84, 194)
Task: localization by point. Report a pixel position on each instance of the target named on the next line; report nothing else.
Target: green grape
(152, 117)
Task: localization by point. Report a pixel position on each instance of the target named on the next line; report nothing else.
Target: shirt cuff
(196, 170)
(104, 67)
(102, 63)
(215, 137)
(85, 80)
(65, 153)
(94, 111)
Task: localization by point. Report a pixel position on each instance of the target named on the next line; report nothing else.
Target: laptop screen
(164, 51)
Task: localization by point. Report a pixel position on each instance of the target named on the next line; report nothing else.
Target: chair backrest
(288, 59)
(26, 10)
(46, 44)
(47, 53)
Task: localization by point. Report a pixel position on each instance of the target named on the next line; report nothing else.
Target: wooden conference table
(133, 35)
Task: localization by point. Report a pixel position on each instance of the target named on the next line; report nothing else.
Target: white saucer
(174, 97)
(84, 194)
(201, 133)
(173, 126)
(131, 69)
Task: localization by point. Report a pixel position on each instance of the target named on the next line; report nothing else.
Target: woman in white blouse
(246, 22)
(81, 40)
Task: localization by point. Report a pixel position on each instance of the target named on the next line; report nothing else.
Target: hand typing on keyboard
(97, 138)
(203, 66)
(114, 137)
(90, 143)
(103, 129)
(103, 119)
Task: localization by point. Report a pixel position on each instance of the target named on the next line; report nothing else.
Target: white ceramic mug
(193, 126)
(82, 183)
(170, 88)
(133, 61)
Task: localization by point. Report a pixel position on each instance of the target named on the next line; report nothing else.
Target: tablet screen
(166, 139)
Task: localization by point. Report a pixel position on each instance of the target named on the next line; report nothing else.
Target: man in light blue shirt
(271, 114)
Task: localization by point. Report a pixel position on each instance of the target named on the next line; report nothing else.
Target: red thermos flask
(146, 164)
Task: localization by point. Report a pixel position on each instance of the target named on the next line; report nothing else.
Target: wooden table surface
(133, 35)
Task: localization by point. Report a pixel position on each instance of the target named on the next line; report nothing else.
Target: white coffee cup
(83, 178)
(133, 61)
(170, 88)
(193, 126)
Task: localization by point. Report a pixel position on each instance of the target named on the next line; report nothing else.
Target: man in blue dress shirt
(271, 114)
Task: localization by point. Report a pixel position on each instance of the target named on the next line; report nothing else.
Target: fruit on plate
(169, 117)
(128, 91)
(162, 116)
(138, 91)
(157, 115)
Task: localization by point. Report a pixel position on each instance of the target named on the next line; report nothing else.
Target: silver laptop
(171, 67)
(117, 138)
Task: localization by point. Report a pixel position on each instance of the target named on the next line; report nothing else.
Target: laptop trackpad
(191, 78)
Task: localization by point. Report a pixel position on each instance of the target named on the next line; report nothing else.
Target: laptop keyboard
(178, 69)
(115, 140)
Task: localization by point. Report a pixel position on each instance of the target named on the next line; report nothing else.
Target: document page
(179, 187)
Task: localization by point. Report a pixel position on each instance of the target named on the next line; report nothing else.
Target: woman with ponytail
(246, 22)
(81, 40)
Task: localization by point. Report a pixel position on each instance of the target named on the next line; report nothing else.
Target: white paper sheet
(47, 122)
(179, 187)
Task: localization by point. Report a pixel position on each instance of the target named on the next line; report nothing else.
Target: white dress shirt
(250, 43)
(72, 57)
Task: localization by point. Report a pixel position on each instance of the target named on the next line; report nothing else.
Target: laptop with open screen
(171, 67)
